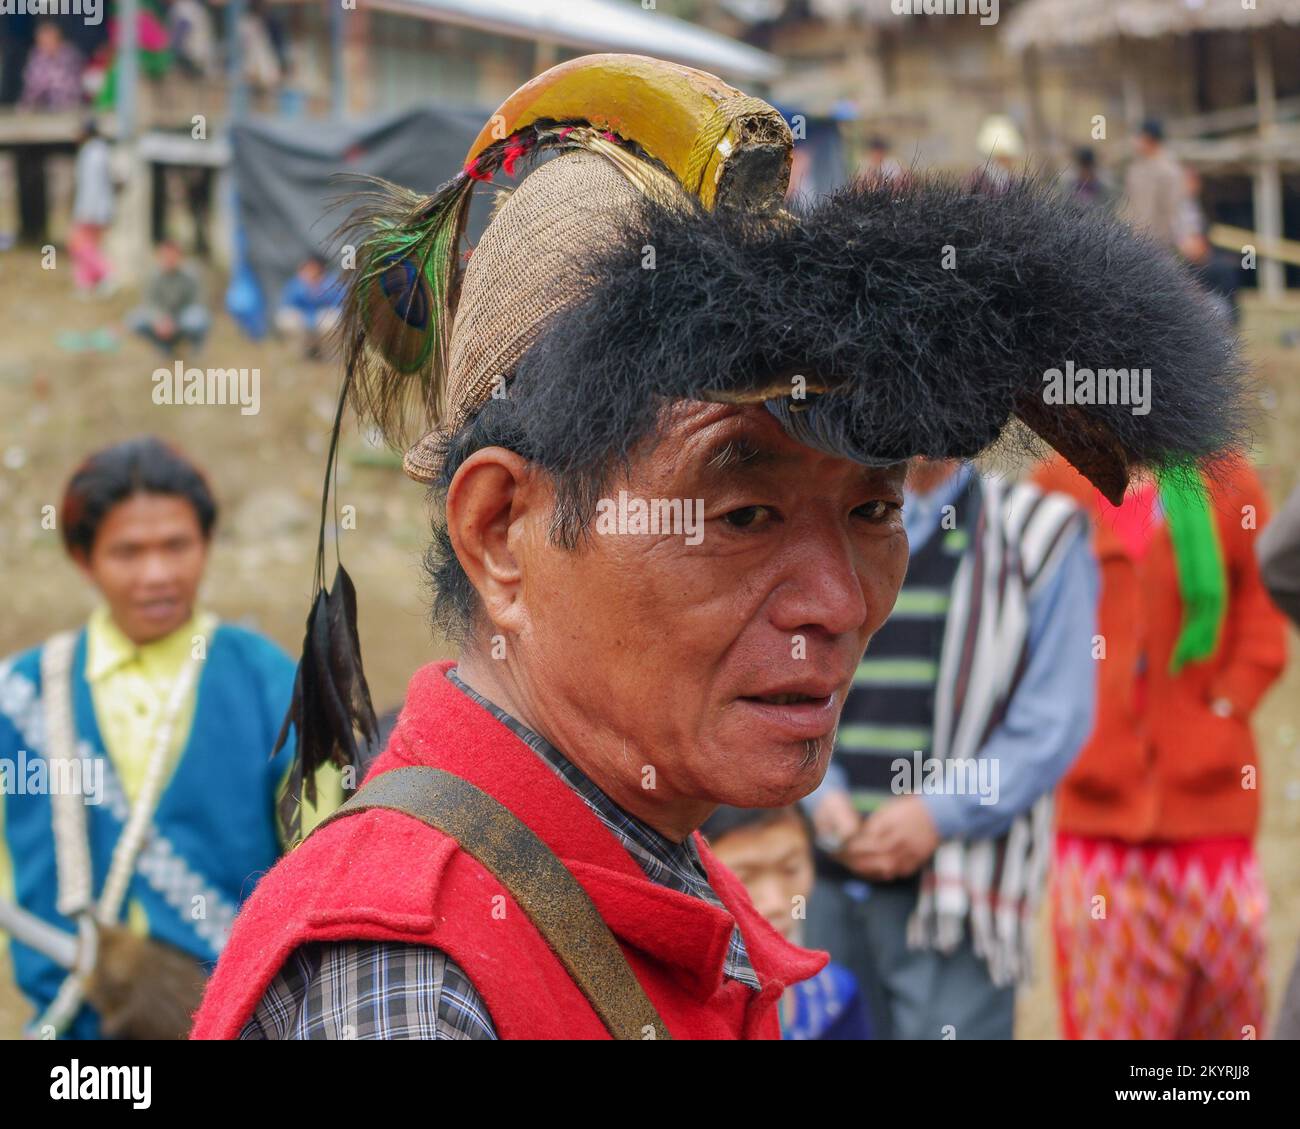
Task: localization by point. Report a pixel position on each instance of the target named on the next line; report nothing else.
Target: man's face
(147, 562)
(774, 862)
(716, 670)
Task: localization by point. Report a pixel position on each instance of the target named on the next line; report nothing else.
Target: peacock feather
(397, 318)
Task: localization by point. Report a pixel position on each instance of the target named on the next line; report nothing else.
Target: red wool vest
(382, 875)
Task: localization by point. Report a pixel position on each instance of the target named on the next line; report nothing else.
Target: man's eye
(877, 511)
(748, 517)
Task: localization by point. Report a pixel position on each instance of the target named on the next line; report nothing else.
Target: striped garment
(994, 884)
(889, 712)
(390, 990)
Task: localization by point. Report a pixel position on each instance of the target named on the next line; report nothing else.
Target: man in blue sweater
(139, 798)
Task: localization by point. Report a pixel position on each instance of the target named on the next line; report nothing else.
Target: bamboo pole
(1270, 250)
(1268, 178)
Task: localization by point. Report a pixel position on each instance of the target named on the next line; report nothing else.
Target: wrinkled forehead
(706, 441)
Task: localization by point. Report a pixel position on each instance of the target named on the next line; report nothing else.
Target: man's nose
(156, 568)
(823, 588)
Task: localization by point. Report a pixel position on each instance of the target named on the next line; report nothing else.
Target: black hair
(727, 819)
(145, 465)
(496, 424)
(1085, 157)
(1154, 128)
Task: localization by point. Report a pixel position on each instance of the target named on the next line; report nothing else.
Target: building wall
(415, 61)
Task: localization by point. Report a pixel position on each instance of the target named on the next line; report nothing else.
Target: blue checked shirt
(390, 990)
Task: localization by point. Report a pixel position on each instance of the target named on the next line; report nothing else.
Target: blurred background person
(1086, 183)
(1192, 219)
(177, 711)
(771, 851)
(52, 76)
(92, 211)
(1158, 905)
(880, 164)
(1216, 271)
(906, 900)
(1155, 188)
(1278, 550)
(261, 42)
(173, 313)
(311, 304)
(191, 38)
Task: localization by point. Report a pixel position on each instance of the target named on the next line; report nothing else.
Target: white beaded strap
(67, 809)
(68, 824)
(67, 1001)
(133, 834)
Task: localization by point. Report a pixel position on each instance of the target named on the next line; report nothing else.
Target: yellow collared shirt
(130, 684)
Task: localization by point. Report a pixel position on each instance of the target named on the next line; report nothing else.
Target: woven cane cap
(519, 276)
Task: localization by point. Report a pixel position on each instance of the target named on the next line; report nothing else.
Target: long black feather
(345, 655)
(331, 698)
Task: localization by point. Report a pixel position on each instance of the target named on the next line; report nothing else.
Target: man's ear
(492, 494)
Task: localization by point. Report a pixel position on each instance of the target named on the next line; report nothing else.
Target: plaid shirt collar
(675, 865)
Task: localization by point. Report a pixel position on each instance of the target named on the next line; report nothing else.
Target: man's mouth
(785, 699)
(802, 715)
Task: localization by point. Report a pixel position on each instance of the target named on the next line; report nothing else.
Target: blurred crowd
(61, 65)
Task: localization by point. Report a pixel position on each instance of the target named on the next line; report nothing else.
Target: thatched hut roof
(1072, 23)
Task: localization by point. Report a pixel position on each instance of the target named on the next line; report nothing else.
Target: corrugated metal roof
(600, 25)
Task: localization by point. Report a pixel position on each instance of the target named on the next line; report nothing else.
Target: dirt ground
(58, 401)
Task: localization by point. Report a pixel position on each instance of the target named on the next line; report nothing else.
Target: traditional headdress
(654, 259)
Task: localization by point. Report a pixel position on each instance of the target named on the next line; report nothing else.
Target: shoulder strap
(68, 825)
(68, 812)
(542, 885)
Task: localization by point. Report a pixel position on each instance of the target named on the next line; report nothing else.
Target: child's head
(770, 851)
(168, 255)
(312, 270)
